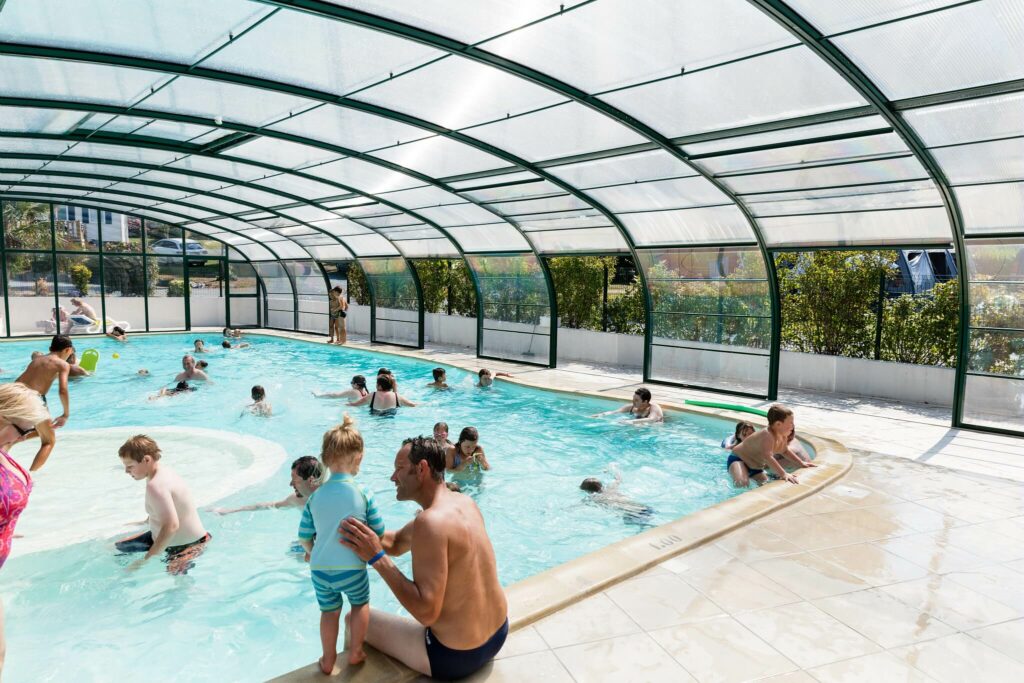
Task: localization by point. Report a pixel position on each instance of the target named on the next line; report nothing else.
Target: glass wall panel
(167, 294)
(26, 225)
(125, 282)
(516, 303)
(311, 291)
(711, 319)
(244, 311)
(211, 246)
(80, 294)
(121, 233)
(30, 294)
(77, 228)
(243, 278)
(206, 292)
(994, 392)
(280, 300)
(163, 239)
(396, 303)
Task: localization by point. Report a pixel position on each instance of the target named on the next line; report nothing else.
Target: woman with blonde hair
(21, 411)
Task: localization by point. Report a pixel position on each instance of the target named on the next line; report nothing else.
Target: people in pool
(356, 390)
(39, 375)
(118, 334)
(190, 371)
(610, 497)
(743, 430)
(174, 525)
(441, 436)
(756, 453)
(74, 369)
(643, 410)
(385, 401)
(305, 478)
(179, 388)
(231, 333)
(20, 410)
(390, 375)
(202, 365)
(794, 454)
(455, 597)
(336, 571)
(440, 379)
(237, 345)
(143, 372)
(260, 405)
(486, 377)
(199, 346)
(466, 453)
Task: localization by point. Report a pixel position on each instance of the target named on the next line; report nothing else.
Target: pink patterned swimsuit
(13, 499)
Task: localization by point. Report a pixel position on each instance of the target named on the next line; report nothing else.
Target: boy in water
(609, 497)
(199, 346)
(441, 436)
(179, 388)
(487, 377)
(440, 379)
(260, 406)
(756, 453)
(227, 345)
(174, 525)
(336, 570)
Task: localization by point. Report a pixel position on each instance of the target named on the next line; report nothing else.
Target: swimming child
(118, 334)
(336, 571)
(441, 435)
(200, 346)
(439, 379)
(143, 372)
(232, 333)
(227, 345)
(467, 453)
(609, 497)
(487, 377)
(743, 430)
(179, 388)
(356, 390)
(260, 406)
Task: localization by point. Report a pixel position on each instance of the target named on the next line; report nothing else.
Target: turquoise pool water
(247, 611)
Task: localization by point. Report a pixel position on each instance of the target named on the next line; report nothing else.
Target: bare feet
(327, 664)
(357, 656)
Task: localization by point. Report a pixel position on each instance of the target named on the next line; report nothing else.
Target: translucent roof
(450, 127)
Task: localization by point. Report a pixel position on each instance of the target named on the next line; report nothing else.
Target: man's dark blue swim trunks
(447, 664)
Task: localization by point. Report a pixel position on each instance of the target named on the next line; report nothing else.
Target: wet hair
(777, 413)
(202, 365)
(483, 371)
(258, 393)
(182, 386)
(226, 344)
(226, 331)
(592, 485)
(384, 383)
(198, 341)
(644, 393)
(383, 371)
(359, 381)
(117, 330)
(425, 448)
(741, 427)
(467, 434)
(438, 374)
(443, 425)
(138, 447)
(342, 443)
(307, 466)
(60, 342)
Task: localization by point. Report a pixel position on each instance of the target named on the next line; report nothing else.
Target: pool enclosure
(697, 136)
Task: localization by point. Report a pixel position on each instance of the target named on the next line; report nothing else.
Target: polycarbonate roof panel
(969, 121)
(282, 153)
(555, 132)
(833, 17)
(229, 170)
(143, 189)
(372, 244)
(793, 134)
(308, 213)
(28, 146)
(181, 31)
(22, 164)
(660, 194)
(567, 241)
(439, 157)
(248, 194)
(484, 238)
(342, 226)
(301, 187)
(564, 202)
(504, 177)
(64, 180)
(427, 195)
(536, 188)
(330, 252)
(96, 169)
(897, 195)
(137, 125)
(992, 208)
(72, 81)
(867, 227)
(457, 214)
(456, 92)
(349, 128)
(780, 85)
(983, 162)
(572, 220)
(631, 168)
(973, 44)
(365, 176)
(235, 103)
(174, 130)
(330, 56)
(887, 170)
(724, 224)
(432, 248)
(256, 252)
(834, 150)
(140, 155)
(614, 43)
(33, 120)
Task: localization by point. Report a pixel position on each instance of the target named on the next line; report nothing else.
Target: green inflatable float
(89, 359)
(728, 406)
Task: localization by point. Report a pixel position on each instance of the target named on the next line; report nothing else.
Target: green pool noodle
(728, 406)
(89, 359)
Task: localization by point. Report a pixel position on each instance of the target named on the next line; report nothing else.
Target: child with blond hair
(335, 570)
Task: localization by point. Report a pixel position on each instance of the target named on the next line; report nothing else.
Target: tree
(80, 275)
(922, 328)
(580, 283)
(447, 286)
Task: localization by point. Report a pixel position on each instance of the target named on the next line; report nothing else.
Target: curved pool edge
(554, 589)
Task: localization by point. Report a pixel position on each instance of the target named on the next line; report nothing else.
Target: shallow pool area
(246, 612)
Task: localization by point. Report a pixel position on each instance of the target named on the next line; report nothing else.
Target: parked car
(173, 246)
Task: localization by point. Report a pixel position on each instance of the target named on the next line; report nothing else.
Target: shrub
(579, 287)
(176, 288)
(80, 275)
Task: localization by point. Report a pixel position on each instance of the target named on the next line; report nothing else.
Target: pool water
(247, 611)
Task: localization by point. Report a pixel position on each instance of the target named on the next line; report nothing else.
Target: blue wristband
(376, 557)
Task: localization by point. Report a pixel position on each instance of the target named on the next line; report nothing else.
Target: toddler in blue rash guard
(335, 570)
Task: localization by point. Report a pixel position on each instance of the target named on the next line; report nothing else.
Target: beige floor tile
(859, 495)
(1012, 528)
(818, 503)
(911, 517)
(959, 658)
(969, 510)
(872, 564)
(813, 533)
(809, 576)
(1007, 638)
(594, 618)
(999, 582)
(753, 543)
(862, 524)
(663, 600)
(522, 642)
(626, 658)
(542, 667)
(986, 544)
(951, 602)
(807, 635)
(703, 558)
(791, 677)
(932, 551)
(1016, 566)
(880, 666)
(736, 587)
(883, 618)
(721, 651)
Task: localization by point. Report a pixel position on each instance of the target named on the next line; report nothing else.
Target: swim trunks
(447, 664)
(330, 588)
(179, 558)
(13, 498)
(735, 458)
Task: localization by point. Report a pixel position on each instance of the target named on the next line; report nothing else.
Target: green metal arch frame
(373, 302)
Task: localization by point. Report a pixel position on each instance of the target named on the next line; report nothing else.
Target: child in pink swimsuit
(14, 492)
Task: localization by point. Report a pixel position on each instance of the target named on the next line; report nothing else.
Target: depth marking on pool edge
(665, 542)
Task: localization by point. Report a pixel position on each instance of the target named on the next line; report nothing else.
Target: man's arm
(623, 409)
(398, 542)
(65, 398)
(163, 505)
(47, 440)
(290, 501)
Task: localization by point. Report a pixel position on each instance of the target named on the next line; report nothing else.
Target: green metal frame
(373, 303)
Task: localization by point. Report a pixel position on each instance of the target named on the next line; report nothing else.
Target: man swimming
(306, 473)
(174, 525)
(455, 597)
(756, 453)
(641, 408)
(39, 375)
(190, 371)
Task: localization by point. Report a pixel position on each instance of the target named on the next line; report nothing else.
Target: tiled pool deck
(909, 567)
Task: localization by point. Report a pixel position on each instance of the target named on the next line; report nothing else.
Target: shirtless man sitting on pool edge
(460, 608)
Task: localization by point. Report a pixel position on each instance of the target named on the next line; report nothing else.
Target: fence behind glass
(711, 320)
(397, 308)
(124, 290)
(516, 304)
(993, 394)
(280, 298)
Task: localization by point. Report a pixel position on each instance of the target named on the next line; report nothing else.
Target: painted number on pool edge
(665, 542)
